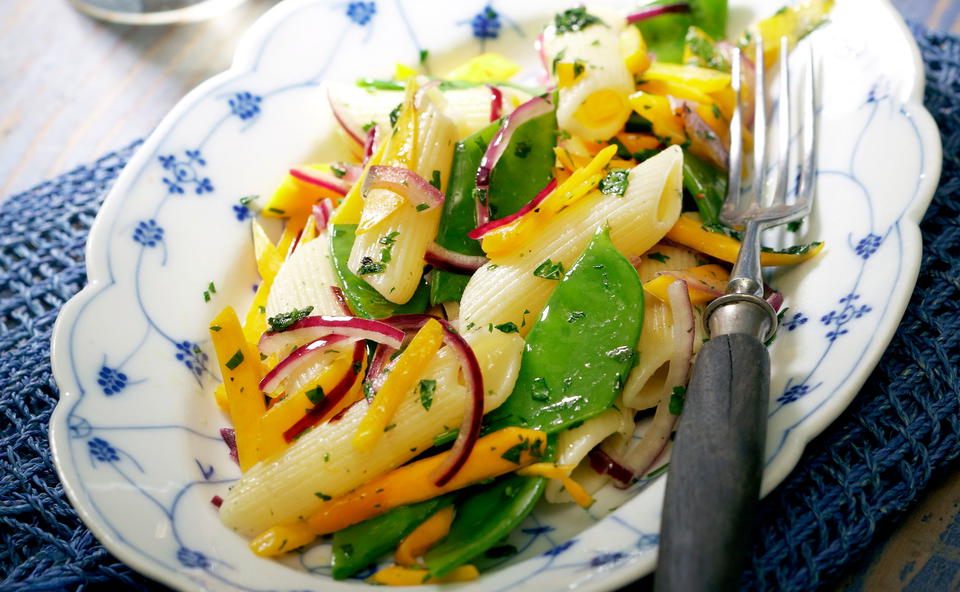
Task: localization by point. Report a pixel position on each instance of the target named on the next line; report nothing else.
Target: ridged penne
(574, 444)
(469, 108)
(305, 280)
(324, 461)
(409, 230)
(646, 382)
(507, 291)
(593, 105)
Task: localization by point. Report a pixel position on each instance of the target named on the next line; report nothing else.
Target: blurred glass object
(154, 12)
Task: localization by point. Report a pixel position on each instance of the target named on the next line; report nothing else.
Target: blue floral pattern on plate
(135, 436)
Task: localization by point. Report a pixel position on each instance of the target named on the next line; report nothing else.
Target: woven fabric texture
(861, 473)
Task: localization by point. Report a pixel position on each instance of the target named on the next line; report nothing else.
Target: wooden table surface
(72, 88)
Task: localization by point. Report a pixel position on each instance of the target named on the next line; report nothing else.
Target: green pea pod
(357, 546)
(664, 33)
(364, 300)
(707, 185)
(523, 170)
(580, 350)
(711, 16)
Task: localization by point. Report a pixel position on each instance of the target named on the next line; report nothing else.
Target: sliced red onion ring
(370, 143)
(473, 413)
(422, 92)
(351, 172)
(406, 183)
(217, 501)
(381, 358)
(479, 231)
(320, 179)
(322, 212)
(605, 463)
(496, 102)
(230, 439)
(535, 107)
(697, 128)
(448, 260)
(319, 327)
(641, 457)
(299, 359)
(348, 126)
(330, 399)
(652, 11)
(341, 301)
(775, 299)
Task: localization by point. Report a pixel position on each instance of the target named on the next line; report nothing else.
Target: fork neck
(746, 277)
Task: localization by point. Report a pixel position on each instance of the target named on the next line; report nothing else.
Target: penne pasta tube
(506, 290)
(323, 462)
(574, 444)
(305, 279)
(591, 75)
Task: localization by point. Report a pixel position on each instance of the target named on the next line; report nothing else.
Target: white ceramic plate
(135, 434)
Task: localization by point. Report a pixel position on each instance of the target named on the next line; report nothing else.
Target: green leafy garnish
(677, 398)
(549, 270)
(285, 320)
(368, 266)
(235, 360)
(615, 182)
(574, 19)
(427, 388)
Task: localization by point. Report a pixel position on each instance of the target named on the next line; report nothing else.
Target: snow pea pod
(664, 34)
(364, 300)
(357, 546)
(523, 170)
(706, 184)
(581, 348)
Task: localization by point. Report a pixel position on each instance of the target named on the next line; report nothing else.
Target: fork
(717, 461)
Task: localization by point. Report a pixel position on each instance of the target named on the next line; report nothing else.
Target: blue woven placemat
(862, 473)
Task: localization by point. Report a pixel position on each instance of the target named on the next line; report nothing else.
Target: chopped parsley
(574, 19)
(372, 83)
(677, 398)
(435, 179)
(556, 60)
(215, 327)
(549, 270)
(315, 395)
(245, 200)
(427, 388)
(508, 327)
(621, 354)
(285, 320)
(395, 115)
(389, 239)
(578, 68)
(658, 257)
(326, 457)
(657, 471)
(575, 316)
(389, 427)
(514, 452)
(235, 361)
(368, 266)
(337, 170)
(323, 496)
(277, 211)
(386, 255)
(422, 207)
(541, 390)
(794, 226)
(368, 126)
(615, 182)
(424, 54)
(522, 149)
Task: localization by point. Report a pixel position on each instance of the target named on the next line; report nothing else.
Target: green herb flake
(368, 391)
(212, 288)
(522, 149)
(620, 354)
(435, 179)
(389, 239)
(368, 267)
(556, 60)
(315, 395)
(427, 388)
(337, 170)
(540, 390)
(323, 496)
(215, 327)
(235, 361)
(549, 270)
(508, 327)
(677, 398)
(659, 257)
(386, 255)
(245, 200)
(395, 115)
(615, 182)
(285, 320)
(206, 296)
(657, 471)
(578, 68)
(716, 110)
(326, 457)
(794, 226)
(514, 452)
(276, 211)
(422, 207)
(424, 54)
(389, 427)
(575, 316)
(574, 19)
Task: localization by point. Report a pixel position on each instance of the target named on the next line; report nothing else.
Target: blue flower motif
(868, 245)
(795, 321)
(242, 212)
(559, 548)
(605, 558)
(191, 558)
(192, 357)
(793, 393)
(148, 233)
(245, 105)
(79, 427)
(102, 451)
(184, 173)
(111, 380)
(361, 12)
(486, 23)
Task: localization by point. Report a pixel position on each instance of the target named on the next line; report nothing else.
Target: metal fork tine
(732, 202)
(808, 167)
(759, 126)
(783, 126)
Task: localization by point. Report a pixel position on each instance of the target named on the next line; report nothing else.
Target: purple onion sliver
(652, 11)
(448, 260)
(230, 439)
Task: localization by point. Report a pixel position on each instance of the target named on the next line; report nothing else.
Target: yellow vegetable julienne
(689, 231)
(429, 533)
(397, 575)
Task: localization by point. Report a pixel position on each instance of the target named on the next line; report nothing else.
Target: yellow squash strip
(239, 367)
(286, 412)
(285, 537)
(309, 231)
(702, 79)
(269, 259)
(562, 473)
(793, 22)
(397, 575)
(400, 381)
(294, 198)
(714, 277)
(667, 124)
(675, 89)
(424, 536)
(633, 48)
(351, 206)
(255, 323)
(638, 142)
(412, 483)
(689, 231)
(220, 396)
(510, 237)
